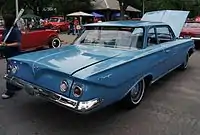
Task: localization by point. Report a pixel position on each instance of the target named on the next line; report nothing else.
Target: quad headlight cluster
(77, 90)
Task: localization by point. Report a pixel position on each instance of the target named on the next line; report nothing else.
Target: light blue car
(110, 62)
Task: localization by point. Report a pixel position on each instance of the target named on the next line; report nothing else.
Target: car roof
(126, 23)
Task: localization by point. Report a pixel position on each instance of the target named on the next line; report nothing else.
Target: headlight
(77, 91)
(64, 86)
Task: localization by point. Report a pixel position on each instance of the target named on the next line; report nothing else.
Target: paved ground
(171, 107)
(67, 38)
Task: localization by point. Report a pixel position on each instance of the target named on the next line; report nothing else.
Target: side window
(164, 34)
(151, 37)
(62, 20)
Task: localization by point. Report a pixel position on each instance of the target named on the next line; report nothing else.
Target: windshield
(192, 25)
(114, 37)
(53, 19)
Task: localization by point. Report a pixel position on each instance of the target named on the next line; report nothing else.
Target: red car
(57, 23)
(192, 30)
(38, 38)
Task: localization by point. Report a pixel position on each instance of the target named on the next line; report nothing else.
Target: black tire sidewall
(127, 101)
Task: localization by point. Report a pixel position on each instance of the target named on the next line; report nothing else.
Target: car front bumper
(82, 107)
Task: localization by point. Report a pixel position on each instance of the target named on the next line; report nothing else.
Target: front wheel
(135, 96)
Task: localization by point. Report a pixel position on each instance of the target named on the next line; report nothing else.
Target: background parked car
(37, 38)
(192, 30)
(57, 23)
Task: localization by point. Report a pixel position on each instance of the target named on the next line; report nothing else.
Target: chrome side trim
(158, 78)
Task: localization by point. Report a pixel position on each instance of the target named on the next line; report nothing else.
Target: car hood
(174, 18)
(69, 59)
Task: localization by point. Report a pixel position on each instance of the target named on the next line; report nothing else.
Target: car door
(33, 39)
(167, 39)
(157, 56)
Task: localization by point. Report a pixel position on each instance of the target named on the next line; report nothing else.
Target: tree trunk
(123, 7)
(121, 10)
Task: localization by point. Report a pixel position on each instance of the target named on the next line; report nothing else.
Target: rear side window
(151, 38)
(164, 34)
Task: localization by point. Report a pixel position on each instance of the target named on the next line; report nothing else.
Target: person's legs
(10, 90)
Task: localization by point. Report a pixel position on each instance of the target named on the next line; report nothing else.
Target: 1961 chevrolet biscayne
(109, 62)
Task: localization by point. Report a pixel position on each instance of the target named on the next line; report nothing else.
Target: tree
(123, 4)
(191, 5)
(36, 6)
(67, 6)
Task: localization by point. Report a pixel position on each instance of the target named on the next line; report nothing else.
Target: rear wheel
(185, 63)
(54, 42)
(135, 96)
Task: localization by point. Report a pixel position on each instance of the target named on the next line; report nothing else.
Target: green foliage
(191, 5)
(67, 6)
(63, 6)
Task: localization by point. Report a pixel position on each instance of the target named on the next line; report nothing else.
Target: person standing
(71, 28)
(76, 23)
(21, 24)
(11, 47)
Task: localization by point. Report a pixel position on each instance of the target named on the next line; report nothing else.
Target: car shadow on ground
(54, 116)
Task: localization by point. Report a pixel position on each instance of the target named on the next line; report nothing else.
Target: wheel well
(148, 80)
(190, 52)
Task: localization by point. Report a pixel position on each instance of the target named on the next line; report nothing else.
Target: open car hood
(174, 18)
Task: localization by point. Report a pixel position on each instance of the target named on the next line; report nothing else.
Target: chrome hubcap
(55, 43)
(137, 92)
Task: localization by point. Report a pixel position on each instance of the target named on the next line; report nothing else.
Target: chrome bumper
(82, 107)
(195, 38)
